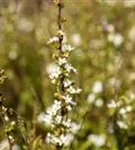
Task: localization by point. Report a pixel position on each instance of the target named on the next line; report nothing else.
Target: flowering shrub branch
(57, 115)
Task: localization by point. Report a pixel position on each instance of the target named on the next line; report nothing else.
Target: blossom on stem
(67, 83)
(69, 68)
(62, 61)
(56, 116)
(55, 39)
(72, 90)
(67, 48)
(55, 75)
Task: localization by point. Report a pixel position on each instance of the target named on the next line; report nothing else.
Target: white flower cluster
(113, 37)
(122, 124)
(122, 107)
(56, 116)
(94, 96)
(55, 75)
(97, 140)
(123, 113)
(59, 141)
(63, 67)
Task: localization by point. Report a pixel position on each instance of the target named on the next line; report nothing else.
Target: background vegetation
(103, 34)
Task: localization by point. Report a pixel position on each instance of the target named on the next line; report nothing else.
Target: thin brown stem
(60, 6)
(59, 20)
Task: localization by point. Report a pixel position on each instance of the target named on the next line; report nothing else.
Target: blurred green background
(103, 34)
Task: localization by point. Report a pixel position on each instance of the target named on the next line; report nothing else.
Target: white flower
(45, 118)
(91, 98)
(55, 75)
(99, 102)
(54, 108)
(69, 108)
(122, 124)
(68, 139)
(67, 48)
(55, 39)
(98, 87)
(67, 83)
(122, 111)
(75, 127)
(13, 123)
(51, 68)
(125, 110)
(58, 119)
(72, 90)
(62, 61)
(117, 39)
(110, 28)
(97, 140)
(11, 137)
(70, 68)
(6, 118)
(54, 139)
(59, 140)
(67, 123)
(69, 100)
(112, 104)
(51, 114)
(41, 117)
(76, 38)
(128, 108)
(51, 117)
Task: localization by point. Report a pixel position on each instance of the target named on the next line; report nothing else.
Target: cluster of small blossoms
(122, 108)
(95, 96)
(97, 140)
(56, 116)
